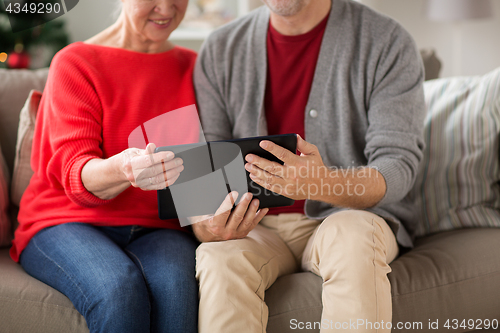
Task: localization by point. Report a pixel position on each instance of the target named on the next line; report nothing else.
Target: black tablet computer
(214, 169)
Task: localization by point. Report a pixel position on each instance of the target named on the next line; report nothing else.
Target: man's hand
(291, 179)
(307, 177)
(226, 225)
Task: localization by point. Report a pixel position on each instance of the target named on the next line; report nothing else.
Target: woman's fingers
(161, 180)
(160, 170)
(150, 148)
(146, 160)
(162, 167)
(160, 186)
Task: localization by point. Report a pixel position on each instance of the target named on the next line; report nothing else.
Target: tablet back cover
(212, 170)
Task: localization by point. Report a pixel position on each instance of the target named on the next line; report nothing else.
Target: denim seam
(131, 234)
(144, 277)
(62, 269)
(138, 260)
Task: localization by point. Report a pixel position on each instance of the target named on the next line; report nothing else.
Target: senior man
(349, 81)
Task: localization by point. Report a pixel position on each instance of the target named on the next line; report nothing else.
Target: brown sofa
(451, 275)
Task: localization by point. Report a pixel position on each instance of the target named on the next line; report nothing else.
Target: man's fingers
(224, 210)
(248, 222)
(259, 216)
(305, 147)
(272, 184)
(199, 218)
(263, 174)
(264, 164)
(264, 177)
(239, 213)
(282, 153)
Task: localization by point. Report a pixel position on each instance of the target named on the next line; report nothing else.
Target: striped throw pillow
(458, 183)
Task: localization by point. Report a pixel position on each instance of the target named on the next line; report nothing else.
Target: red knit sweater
(94, 98)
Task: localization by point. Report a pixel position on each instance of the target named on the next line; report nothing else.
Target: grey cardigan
(367, 95)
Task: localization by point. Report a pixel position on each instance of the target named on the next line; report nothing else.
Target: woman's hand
(142, 168)
(227, 224)
(150, 171)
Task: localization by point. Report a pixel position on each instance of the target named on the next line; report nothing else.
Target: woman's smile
(161, 23)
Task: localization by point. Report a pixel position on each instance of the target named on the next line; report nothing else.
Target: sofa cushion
(5, 226)
(457, 185)
(451, 275)
(31, 305)
(22, 163)
(294, 297)
(15, 85)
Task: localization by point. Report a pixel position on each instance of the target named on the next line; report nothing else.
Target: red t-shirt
(291, 64)
(95, 99)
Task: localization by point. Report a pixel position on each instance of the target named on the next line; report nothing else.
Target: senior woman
(88, 226)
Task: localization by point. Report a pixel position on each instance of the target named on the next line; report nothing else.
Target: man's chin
(286, 7)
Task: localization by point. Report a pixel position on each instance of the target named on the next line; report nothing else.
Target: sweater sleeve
(73, 123)
(396, 110)
(214, 117)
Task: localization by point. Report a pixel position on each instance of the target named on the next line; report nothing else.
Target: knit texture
(367, 93)
(94, 98)
(291, 63)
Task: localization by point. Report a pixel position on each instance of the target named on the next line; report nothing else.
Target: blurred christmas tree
(31, 47)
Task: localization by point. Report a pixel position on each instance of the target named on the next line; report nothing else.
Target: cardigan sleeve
(213, 113)
(396, 110)
(73, 125)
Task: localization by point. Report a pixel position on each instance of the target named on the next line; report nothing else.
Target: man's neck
(304, 21)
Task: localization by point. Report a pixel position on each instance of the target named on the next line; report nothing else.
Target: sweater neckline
(130, 52)
(277, 36)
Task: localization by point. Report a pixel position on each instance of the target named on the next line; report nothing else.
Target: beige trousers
(351, 250)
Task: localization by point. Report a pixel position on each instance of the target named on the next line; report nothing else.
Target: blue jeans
(121, 279)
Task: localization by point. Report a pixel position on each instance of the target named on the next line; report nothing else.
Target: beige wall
(92, 16)
(89, 17)
(480, 52)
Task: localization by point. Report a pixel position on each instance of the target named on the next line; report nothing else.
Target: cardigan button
(313, 113)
